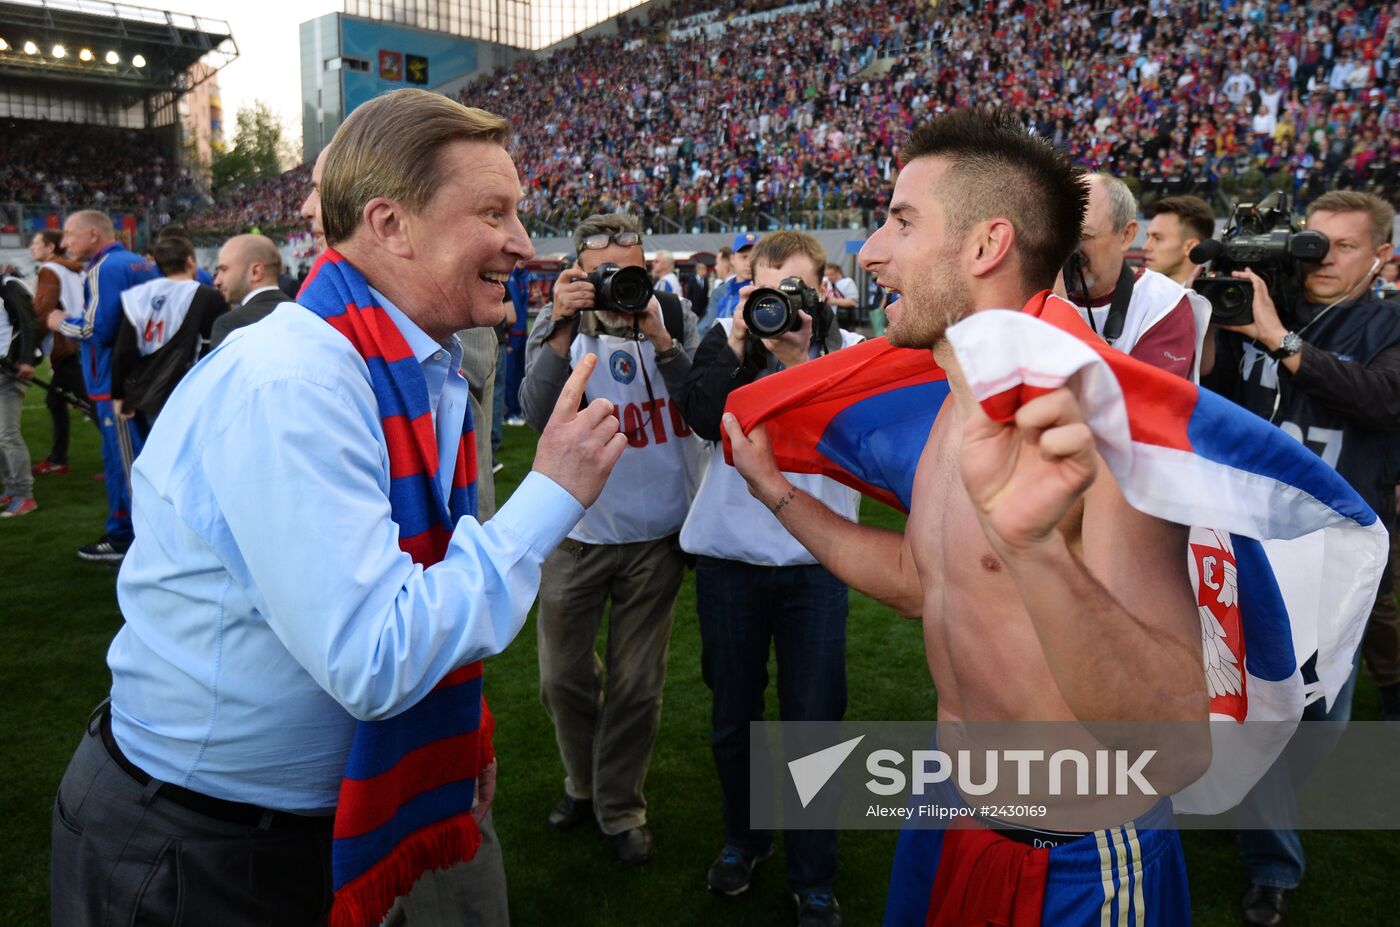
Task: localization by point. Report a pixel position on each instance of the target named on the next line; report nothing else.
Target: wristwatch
(1291, 344)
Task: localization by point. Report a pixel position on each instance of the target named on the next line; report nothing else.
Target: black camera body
(1266, 238)
(772, 311)
(621, 289)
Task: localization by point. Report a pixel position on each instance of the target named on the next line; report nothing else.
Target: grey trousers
(605, 740)
(121, 857)
(471, 893)
(15, 476)
(125, 855)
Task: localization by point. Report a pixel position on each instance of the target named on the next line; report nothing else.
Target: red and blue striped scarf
(405, 802)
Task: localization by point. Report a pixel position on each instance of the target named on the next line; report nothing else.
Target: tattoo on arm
(792, 494)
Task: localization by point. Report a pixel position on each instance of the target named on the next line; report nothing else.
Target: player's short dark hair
(172, 254)
(1195, 214)
(53, 238)
(999, 170)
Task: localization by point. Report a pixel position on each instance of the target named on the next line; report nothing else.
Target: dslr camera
(1266, 238)
(772, 311)
(620, 289)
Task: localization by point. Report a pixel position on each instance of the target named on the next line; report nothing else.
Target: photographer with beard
(1327, 371)
(756, 587)
(624, 548)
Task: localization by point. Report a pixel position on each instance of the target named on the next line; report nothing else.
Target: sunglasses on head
(602, 239)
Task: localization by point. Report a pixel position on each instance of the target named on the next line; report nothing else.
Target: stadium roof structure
(118, 51)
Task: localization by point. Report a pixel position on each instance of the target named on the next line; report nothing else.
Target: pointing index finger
(571, 396)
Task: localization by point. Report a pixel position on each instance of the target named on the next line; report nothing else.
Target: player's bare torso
(982, 649)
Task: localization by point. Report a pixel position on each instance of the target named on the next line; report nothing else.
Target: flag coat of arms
(1284, 555)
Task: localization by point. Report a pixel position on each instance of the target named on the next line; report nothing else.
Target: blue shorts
(1128, 876)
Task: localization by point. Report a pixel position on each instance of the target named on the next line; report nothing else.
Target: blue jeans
(801, 612)
(1275, 857)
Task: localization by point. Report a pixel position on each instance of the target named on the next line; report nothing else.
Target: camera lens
(627, 289)
(1233, 298)
(767, 316)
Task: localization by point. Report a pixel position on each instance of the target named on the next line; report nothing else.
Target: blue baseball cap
(745, 240)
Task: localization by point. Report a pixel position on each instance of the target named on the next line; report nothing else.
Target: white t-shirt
(726, 521)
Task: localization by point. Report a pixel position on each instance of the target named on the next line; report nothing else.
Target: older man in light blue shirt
(268, 604)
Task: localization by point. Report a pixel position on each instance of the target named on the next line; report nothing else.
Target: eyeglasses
(601, 240)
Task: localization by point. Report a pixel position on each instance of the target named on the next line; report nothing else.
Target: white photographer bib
(156, 310)
(649, 492)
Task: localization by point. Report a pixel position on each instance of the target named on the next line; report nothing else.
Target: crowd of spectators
(71, 166)
(716, 113)
(789, 118)
(268, 205)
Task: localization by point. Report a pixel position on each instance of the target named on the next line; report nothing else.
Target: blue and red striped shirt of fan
(410, 780)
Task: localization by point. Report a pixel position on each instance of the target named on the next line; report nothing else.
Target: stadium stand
(707, 116)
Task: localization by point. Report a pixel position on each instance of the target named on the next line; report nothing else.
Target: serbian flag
(1284, 555)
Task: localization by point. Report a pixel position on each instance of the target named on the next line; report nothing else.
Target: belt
(1030, 836)
(231, 812)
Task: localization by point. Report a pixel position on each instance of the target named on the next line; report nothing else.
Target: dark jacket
(716, 372)
(1344, 401)
(254, 310)
(19, 307)
(145, 383)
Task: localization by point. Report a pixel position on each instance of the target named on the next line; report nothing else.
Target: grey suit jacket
(255, 309)
(479, 367)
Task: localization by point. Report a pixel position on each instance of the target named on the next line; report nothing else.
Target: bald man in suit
(247, 274)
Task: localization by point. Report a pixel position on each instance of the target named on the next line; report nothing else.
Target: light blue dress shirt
(267, 602)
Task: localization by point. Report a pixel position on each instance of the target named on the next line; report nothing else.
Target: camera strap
(1118, 306)
(671, 316)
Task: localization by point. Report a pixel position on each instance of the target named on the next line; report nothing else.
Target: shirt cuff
(540, 512)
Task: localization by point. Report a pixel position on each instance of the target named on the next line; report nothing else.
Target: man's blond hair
(96, 219)
(774, 249)
(392, 147)
(1381, 213)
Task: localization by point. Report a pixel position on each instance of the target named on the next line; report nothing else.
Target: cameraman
(1326, 371)
(755, 584)
(1139, 312)
(624, 548)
